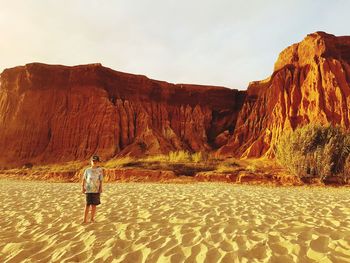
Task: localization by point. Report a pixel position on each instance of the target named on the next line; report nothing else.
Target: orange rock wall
(310, 84)
(56, 113)
(52, 113)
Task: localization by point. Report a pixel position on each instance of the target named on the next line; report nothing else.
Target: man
(92, 187)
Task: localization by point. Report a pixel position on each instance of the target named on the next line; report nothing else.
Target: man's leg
(86, 212)
(93, 212)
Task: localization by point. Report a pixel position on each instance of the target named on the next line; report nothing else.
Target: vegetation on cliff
(316, 152)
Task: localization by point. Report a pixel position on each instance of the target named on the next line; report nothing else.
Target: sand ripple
(41, 222)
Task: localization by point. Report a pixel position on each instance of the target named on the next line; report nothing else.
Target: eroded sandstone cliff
(310, 83)
(53, 113)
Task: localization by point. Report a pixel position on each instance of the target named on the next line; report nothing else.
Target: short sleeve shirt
(93, 178)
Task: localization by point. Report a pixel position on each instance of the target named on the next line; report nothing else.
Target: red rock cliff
(52, 113)
(310, 83)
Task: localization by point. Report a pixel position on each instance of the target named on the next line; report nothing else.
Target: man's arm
(100, 189)
(83, 189)
(101, 180)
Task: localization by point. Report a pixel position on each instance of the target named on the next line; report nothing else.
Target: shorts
(93, 198)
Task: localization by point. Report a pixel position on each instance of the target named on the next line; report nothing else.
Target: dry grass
(118, 162)
(182, 163)
(227, 167)
(65, 167)
(59, 167)
(178, 157)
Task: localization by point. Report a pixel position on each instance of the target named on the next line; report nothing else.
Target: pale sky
(218, 42)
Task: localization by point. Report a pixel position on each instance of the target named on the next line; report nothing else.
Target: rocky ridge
(54, 113)
(310, 84)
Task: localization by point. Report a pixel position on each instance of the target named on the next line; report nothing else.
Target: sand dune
(41, 222)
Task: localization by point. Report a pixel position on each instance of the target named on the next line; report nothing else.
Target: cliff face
(310, 84)
(51, 113)
(54, 113)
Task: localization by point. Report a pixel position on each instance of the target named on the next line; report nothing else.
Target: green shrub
(315, 151)
(346, 171)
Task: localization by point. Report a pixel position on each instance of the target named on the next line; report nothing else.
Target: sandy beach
(200, 222)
